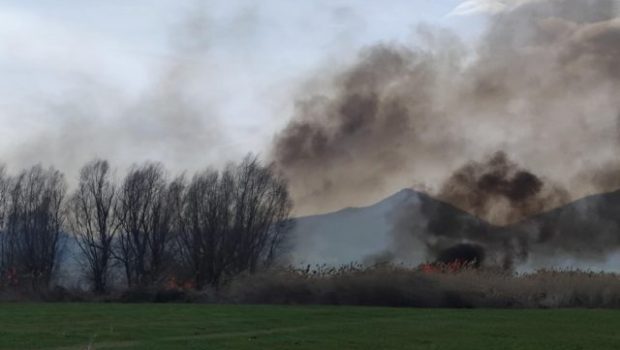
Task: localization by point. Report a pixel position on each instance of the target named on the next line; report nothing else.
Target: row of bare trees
(202, 229)
(31, 221)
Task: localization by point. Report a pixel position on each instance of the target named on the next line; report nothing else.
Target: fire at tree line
(147, 229)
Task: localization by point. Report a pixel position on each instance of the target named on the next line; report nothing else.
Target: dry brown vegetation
(385, 285)
(399, 286)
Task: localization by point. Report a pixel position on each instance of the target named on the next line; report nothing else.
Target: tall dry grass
(384, 285)
(399, 286)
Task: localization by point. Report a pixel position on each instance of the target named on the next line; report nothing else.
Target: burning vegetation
(462, 254)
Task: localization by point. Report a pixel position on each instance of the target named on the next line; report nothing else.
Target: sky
(80, 78)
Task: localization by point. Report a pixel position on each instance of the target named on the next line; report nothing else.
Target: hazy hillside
(351, 234)
(365, 234)
(587, 230)
(580, 234)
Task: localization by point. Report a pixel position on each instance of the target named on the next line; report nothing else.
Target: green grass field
(167, 326)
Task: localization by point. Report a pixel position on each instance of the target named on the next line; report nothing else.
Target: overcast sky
(69, 65)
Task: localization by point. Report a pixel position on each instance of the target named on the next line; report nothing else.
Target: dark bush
(59, 294)
(162, 295)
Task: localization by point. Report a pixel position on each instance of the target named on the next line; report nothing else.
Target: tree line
(146, 229)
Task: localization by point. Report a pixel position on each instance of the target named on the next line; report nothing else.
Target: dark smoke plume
(540, 84)
(534, 227)
(498, 190)
(339, 144)
(495, 188)
(467, 254)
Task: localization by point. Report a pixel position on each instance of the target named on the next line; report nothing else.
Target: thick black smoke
(535, 227)
(500, 191)
(541, 84)
(467, 254)
(495, 188)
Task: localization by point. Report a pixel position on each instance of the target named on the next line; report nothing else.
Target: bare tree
(5, 183)
(204, 218)
(233, 221)
(91, 220)
(146, 219)
(262, 215)
(34, 224)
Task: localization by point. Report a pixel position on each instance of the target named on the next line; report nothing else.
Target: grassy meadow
(192, 326)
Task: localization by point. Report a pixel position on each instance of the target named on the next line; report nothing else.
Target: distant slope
(588, 228)
(359, 234)
(347, 235)
(580, 234)
(585, 230)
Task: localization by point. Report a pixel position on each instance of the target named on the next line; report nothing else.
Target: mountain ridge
(350, 235)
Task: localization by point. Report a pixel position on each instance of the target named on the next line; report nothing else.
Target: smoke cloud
(534, 227)
(163, 124)
(174, 117)
(497, 189)
(463, 254)
(540, 86)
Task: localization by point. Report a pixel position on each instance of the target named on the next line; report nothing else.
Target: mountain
(588, 228)
(370, 233)
(347, 235)
(584, 233)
